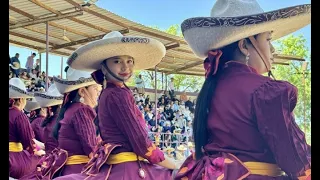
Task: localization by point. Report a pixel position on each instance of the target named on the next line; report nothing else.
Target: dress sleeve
(129, 120)
(26, 133)
(85, 128)
(36, 127)
(273, 105)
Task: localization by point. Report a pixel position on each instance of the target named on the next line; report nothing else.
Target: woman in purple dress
(51, 100)
(125, 151)
(75, 129)
(37, 116)
(22, 148)
(244, 127)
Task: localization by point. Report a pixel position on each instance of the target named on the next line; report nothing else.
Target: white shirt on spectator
(171, 85)
(33, 75)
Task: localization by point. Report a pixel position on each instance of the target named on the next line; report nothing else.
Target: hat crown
(235, 8)
(53, 91)
(17, 82)
(112, 34)
(74, 75)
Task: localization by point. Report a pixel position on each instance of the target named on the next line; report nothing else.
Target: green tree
(301, 78)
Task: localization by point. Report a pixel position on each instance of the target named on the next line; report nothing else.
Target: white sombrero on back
(75, 80)
(147, 52)
(50, 98)
(233, 20)
(17, 89)
(32, 105)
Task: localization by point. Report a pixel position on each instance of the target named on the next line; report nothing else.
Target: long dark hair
(55, 111)
(207, 91)
(34, 114)
(71, 98)
(96, 121)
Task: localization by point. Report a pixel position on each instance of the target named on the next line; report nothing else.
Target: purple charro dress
(20, 131)
(49, 141)
(122, 130)
(37, 129)
(77, 134)
(251, 120)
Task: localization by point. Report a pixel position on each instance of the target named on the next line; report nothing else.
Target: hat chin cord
(255, 45)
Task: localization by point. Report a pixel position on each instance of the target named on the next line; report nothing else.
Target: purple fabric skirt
(71, 169)
(123, 171)
(21, 163)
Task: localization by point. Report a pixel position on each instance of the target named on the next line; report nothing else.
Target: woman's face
(23, 102)
(121, 67)
(264, 44)
(44, 112)
(91, 94)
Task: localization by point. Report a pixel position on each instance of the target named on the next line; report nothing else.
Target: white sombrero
(31, 105)
(182, 147)
(75, 80)
(17, 89)
(233, 20)
(168, 149)
(147, 52)
(50, 98)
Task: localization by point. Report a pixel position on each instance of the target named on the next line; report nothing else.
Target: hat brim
(48, 101)
(31, 106)
(207, 33)
(15, 92)
(147, 52)
(65, 86)
(181, 148)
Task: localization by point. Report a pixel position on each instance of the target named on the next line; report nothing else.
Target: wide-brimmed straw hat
(233, 20)
(182, 147)
(168, 149)
(50, 98)
(32, 105)
(146, 52)
(75, 80)
(17, 89)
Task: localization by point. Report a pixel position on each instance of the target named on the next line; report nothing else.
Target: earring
(81, 100)
(247, 58)
(104, 82)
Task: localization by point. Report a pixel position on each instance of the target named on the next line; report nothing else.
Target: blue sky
(160, 13)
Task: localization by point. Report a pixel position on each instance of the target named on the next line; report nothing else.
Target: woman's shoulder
(272, 89)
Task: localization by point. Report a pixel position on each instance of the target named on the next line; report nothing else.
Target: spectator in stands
(33, 74)
(168, 113)
(16, 65)
(141, 97)
(171, 88)
(32, 86)
(10, 74)
(183, 96)
(147, 100)
(153, 121)
(137, 98)
(37, 65)
(175, 106)
(189, 104)
(140, 106)
(29, 63)
(140, 84)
